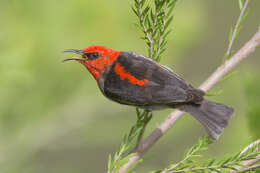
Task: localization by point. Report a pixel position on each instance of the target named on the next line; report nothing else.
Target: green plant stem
(253, 167)
(182, 161)
(161, 35)
(197, 169)
(248, 163)
(247, 157)
(141, 20)
(236, 28)
(147, 118)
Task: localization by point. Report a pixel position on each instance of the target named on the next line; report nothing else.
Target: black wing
(163, 86)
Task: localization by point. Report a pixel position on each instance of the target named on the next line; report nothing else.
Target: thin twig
(153, 32)
(253, 167)
(248, 164)
(234, 33)
(250, 146)
(161, 34)
(195, 169)
(182, 161)
(141, 18)
(141, 134)
(214, 167)
(221, 71)
(230, 164)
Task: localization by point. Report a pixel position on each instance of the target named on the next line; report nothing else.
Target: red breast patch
(124, 75)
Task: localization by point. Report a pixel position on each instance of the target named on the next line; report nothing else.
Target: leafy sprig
(122, 156)
(234, 31)
(189, 163)
(154, 19)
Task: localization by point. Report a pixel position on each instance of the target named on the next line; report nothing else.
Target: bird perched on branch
(132, 79)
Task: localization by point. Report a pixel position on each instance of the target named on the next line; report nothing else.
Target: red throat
(97, 66)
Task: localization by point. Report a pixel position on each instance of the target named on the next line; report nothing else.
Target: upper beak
(74, 51)
(80, 52)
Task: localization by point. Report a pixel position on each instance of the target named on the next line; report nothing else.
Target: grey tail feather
(213, 116)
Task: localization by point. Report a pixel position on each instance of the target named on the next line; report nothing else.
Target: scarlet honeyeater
(132, 79)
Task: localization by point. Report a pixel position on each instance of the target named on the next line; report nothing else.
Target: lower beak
(72, 58)
(80, 52)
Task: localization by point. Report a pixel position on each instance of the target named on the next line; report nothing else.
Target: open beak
(80, 52)
(72, 58)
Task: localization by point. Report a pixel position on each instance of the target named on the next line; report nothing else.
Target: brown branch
(250, 146)
(250, 168)
(221, 71)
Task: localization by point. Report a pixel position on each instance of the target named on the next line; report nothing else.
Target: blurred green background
(53, 117)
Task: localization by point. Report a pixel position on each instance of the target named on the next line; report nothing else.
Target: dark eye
(92, 55)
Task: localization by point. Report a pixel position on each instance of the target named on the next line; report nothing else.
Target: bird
(130, 78)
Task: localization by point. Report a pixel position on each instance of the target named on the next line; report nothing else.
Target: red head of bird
(95, 58)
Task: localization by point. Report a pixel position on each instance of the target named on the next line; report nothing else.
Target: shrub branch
(249, 164)
(221, 71)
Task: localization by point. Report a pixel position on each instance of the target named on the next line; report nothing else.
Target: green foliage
(237, 28)
(228, 76)
(120, 157)
(189, 163)
(240, 3)
(216, 93)
(154, 20)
